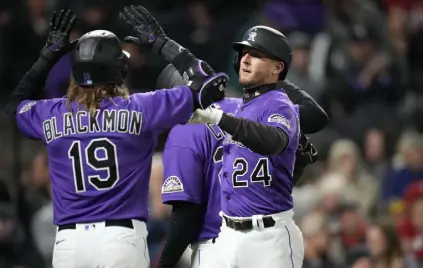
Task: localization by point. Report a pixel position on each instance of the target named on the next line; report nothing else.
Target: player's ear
(279, 66)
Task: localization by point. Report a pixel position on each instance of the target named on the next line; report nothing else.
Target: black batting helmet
(268, 41)
(99, 59)
(169, 78)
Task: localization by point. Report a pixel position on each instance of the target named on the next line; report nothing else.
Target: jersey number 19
(108, 163)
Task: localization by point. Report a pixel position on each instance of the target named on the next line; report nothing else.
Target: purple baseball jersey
(254, 184)
(192, 161)
(57, 81)
(100, 165)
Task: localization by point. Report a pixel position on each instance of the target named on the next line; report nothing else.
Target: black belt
(120, 223)
(247, 224)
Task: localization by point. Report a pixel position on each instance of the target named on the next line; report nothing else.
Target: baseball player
(100, 143)
(259, 157)
(192, 164)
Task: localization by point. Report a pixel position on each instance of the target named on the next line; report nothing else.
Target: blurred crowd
(360, 206)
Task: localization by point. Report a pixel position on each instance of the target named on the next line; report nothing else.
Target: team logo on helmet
(252, 36)
(87, 78)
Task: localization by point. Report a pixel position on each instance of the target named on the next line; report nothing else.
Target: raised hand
(147, 29)
(60, 27)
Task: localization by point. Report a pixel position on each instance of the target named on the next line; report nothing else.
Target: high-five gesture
(147, 30)
(60, 27)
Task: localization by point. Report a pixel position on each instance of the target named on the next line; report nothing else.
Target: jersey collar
(251, 93)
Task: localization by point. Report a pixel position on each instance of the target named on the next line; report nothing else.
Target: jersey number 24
(260, 172)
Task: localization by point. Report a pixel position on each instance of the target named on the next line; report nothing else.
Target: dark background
(361, 59)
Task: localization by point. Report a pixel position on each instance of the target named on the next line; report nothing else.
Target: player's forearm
(185, 225)
(312, 116)
(31, 85)
(180, 57)
(259, 138)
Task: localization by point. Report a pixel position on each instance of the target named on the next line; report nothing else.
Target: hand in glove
(210, 115)
(306, 152)
(58, 42)
(147, 30)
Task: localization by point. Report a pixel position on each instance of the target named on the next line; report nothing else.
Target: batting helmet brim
(238, 46)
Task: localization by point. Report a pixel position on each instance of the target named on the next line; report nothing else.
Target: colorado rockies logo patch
(279, 119)
(27, 107)
(172, 185)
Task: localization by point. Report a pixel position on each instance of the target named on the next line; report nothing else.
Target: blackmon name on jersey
(122, 121)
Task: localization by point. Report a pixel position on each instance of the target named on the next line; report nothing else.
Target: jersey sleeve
(282, 115)
(163, 109)
(183, 166)
(29, 118)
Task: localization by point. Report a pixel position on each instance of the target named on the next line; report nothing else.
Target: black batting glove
(147, 29)
(306, 152)
(58, 43)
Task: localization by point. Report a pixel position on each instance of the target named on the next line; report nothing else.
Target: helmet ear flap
(282, 75)
(237, 62)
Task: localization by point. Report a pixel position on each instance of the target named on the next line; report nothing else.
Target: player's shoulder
(227, 104)
(188, 129)
(140, 96)
(187, 135)
(278, 99)
(42, 105)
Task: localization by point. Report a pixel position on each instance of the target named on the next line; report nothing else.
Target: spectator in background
(42, 227)
(307, 199)
(410, 228)
(363, 87)
(331, 187)
(405, 26)
(375, 153)
(358, 257)
(352, 228)
(360, 186)
(317, 242)
(407, 167)
(384, 245)
(341, 15)
(299, 70)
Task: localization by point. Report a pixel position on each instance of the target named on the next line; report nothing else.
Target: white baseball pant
(96, 245)
(279, 246)
(202, 252)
